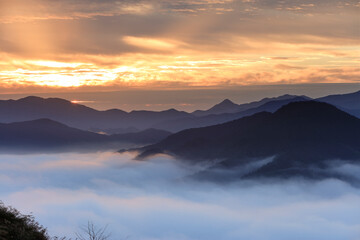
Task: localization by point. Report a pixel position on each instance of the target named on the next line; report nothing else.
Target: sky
(107, 45)
(154, 200)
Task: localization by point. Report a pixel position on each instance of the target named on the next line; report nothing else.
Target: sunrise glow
(178, 43)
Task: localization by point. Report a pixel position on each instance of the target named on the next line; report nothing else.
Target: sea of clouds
(156, 199)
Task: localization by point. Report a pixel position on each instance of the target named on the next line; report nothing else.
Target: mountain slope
(299, 136)
(196, 122)
(228, 106)
(143, 137)
(225, 106)
(45, 134)
(347, 101)
(79, 116)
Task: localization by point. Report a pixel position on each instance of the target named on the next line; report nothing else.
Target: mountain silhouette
(347, 102)
(196, 122)
(49, 135)
(298, 137)
(117, 121)
(44, 134)
(80, 116)
(225, 106)
(146, 136)
(228, 106)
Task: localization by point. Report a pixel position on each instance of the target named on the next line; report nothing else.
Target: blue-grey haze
(153, 200)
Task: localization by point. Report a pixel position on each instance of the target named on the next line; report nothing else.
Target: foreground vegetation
(16, 226)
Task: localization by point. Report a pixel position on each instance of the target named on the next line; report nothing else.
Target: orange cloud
(144, 44)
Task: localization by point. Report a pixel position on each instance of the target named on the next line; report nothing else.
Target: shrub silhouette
(16, 226)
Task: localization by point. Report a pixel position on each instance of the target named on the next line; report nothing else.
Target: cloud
(180, 43)
(153, 200)
(157, 44)
(42, 10)
(287, 67)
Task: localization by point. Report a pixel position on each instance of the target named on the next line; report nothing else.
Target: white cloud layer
(152, 200)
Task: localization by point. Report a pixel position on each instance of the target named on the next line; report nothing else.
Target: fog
(156, 199)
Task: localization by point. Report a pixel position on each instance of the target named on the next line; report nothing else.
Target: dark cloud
(97, 27)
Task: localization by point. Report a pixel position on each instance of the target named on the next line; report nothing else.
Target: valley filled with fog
(157, 199)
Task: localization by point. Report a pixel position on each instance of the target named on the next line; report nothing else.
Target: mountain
(196, 122)
(228, 106)
(143, 137)
(225, 106)
(48, 135)
(80, 116)
(115, 121)
(347, 101)
(44, 134)
(297, 138)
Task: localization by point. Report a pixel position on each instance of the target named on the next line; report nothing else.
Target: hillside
(48, 135)
(80, 116)
(196, 122)
(298, 136)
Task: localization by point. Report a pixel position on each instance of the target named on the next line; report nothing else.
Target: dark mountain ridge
(196, 122)
(118, 121)
(48, 135)
(80, 116)
(228, 111)
(227, 106)
(346, 101)
(298, 136)
(150, 135)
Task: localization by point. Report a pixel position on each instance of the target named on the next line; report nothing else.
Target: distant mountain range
(48, 135)
(196, 122)
(228, 106)
(284, 136)
(80, 116)
(117, 121)
(350, 101)
(297, 138)
(228, 111)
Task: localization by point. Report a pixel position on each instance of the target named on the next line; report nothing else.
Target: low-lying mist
(155, 200)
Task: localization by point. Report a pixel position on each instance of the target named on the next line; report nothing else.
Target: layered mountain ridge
(118, 121)
(298, 136)
(48, 135)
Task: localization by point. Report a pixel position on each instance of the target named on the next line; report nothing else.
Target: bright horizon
(187, 99)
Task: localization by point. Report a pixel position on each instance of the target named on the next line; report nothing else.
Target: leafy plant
(16, 226)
